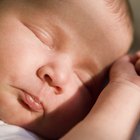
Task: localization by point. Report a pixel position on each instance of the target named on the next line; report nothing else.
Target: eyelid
(42, 35)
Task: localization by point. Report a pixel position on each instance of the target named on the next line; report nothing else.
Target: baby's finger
(134, 58)
(123, 66)
(137, 66)
(124, 70)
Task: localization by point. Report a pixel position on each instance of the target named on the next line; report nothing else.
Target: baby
(54, 58)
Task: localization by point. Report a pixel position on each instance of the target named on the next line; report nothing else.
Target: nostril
(48, 79)
(58, 90)
(52, 84)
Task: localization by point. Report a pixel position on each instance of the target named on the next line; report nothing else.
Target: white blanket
(12, 132)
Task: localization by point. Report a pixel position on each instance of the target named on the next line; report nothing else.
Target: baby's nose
(57, 72)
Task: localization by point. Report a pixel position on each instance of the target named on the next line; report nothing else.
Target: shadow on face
(64, 118)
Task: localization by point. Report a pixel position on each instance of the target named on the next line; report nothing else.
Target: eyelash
(43, 36)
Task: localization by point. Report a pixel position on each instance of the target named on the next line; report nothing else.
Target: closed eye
(42, 35)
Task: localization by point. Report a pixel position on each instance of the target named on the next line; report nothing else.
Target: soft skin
(117, 109)
(51, 50)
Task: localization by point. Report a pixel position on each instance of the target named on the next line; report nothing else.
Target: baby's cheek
(137, 66)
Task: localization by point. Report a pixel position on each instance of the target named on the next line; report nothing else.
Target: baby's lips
(32, 103)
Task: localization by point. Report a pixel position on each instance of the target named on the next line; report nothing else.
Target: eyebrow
(114, 5)
(120, 9)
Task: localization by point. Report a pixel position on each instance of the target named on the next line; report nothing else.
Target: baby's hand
(137, 64)
(124, 71)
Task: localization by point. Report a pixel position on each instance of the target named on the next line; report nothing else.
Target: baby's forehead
(71, 7)
(85, 18)
(90, 23)
(118, 9)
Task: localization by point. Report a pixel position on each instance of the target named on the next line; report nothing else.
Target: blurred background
(135, 6)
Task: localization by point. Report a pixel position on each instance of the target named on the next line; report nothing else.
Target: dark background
(135, 6)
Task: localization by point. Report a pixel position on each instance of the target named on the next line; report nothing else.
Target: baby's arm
(117, 110)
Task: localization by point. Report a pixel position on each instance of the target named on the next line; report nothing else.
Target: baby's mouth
(33, 103)
(29, 101)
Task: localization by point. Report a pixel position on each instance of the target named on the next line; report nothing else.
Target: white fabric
(12, 132)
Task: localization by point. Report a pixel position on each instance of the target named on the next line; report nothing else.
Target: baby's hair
(121, 11)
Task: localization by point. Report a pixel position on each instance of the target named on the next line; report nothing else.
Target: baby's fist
(124, 71)
(137, 64)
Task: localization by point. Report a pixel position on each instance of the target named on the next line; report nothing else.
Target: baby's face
(50, 53)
